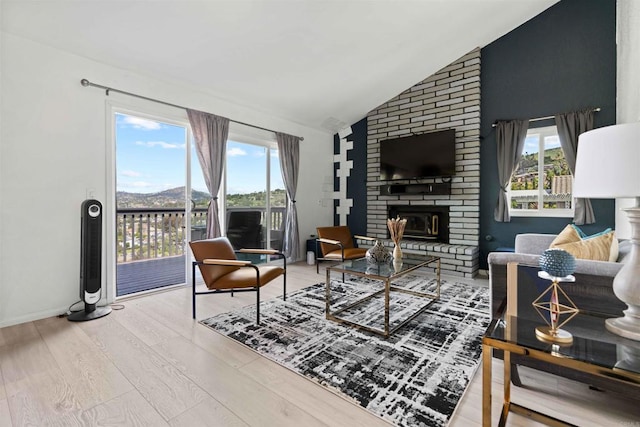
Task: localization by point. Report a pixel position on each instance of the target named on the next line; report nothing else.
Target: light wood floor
(151, 364)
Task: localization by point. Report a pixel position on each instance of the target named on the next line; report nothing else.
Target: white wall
(628, 86)
(54, 147)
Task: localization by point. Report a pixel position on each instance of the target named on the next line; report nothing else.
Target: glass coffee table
(385, 273)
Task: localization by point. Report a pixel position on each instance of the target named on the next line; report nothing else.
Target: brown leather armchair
(336, 244)
(222, 272)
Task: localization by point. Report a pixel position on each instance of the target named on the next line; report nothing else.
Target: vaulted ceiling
(319, 63)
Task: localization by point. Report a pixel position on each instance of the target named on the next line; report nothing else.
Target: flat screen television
(418, 156)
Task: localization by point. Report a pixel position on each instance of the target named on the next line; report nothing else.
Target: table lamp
(608, 167)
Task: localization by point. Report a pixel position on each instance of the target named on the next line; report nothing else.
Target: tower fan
(90, 263)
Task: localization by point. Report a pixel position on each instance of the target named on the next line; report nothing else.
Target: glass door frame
(156, 112)
(245, 135)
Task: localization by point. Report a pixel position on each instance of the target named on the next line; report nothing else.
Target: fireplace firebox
(424, 222)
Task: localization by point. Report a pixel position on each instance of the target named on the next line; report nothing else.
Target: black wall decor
(357, 180)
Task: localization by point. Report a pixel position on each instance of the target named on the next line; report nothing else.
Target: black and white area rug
(414, 378)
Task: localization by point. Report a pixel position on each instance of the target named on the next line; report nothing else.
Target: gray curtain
(510, 136)
(210, 133)
(289, 149)
(570, 126)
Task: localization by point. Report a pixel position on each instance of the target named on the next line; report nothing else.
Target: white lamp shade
(608, 163)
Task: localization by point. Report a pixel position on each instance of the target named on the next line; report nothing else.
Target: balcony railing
(148, 233)
(151, 244)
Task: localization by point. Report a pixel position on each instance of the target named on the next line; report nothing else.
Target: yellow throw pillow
(615, 250)
(568, 235)
(598, 248)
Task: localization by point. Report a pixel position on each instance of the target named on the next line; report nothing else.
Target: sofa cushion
(602, 246)
(583, 266)
(624, 249)
(533, 243)
(568, 235)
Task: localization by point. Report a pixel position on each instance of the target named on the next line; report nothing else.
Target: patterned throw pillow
(570, 234)
(602, 246)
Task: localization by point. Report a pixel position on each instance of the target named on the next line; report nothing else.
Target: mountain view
(174, 198)
(526, 175)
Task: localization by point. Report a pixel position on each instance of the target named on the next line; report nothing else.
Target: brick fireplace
(449, 99)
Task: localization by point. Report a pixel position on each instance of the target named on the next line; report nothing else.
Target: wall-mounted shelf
(435, 189)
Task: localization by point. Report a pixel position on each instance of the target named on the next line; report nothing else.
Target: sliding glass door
(255, 196)
(153, 213)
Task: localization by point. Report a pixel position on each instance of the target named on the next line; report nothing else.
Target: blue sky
(531, 144)
(150, 157)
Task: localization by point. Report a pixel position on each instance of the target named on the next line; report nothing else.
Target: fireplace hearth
(427, 223)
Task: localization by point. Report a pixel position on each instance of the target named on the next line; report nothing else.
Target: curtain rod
(86, 83)
(537, 119)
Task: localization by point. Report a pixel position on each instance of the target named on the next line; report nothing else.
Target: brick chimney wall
(449, 99)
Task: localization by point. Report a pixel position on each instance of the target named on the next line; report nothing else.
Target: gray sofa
(592, 292)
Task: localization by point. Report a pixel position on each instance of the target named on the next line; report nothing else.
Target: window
(542, 182)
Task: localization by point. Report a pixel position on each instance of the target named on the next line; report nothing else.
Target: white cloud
(236, 152)
(131, 174)
(140, 123)
(162, 144)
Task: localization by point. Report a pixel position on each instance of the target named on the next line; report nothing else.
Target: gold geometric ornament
(559, 309)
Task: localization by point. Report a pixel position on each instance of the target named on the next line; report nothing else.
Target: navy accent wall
(561, 60)
(357, 180)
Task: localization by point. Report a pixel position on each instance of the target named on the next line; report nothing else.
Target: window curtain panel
(510, 136)
(570, 126)
(210, 132)
(289, 149)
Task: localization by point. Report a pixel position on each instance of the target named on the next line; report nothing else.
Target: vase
(378, 253)
(397, 252)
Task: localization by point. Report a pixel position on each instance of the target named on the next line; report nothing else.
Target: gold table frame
(508, 343)
(488, 344)
(388, 288)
